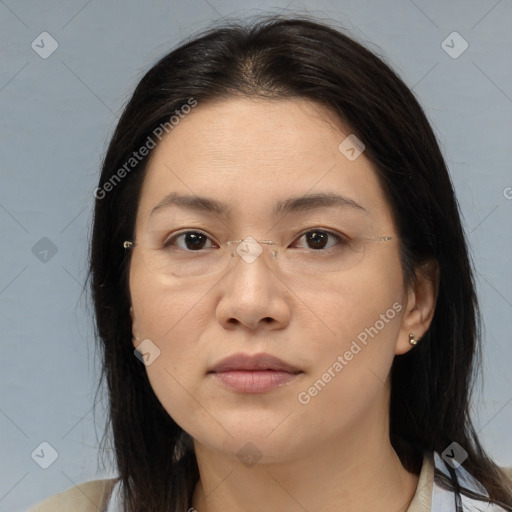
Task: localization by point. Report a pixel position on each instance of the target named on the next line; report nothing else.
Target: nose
(252, 295)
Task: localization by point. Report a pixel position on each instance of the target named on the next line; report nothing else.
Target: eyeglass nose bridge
(249, 249)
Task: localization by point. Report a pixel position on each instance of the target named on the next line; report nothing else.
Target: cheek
(164, 312)
(347, 305)
(173, 322)
(361, 317)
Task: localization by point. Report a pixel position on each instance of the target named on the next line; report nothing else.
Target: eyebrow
(304, 203)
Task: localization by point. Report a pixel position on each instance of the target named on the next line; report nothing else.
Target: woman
(277, 241)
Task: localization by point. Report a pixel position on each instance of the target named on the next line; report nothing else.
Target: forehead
(253, 153)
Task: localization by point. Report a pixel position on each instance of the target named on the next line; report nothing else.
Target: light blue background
(57, 115)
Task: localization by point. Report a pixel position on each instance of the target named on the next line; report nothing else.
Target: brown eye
(318, 239)
(189, 241)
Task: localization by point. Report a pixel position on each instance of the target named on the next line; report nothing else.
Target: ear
(135, 331)
(421, 304)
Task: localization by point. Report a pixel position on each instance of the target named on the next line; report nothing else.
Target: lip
(258, 373)
(253, 362)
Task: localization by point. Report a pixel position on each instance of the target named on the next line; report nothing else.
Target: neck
(355, 473)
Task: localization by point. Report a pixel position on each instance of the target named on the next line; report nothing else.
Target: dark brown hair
(293, 58)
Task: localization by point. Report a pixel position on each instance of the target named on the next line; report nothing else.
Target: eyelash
(341, 239)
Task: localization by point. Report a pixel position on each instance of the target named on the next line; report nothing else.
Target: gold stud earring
(412, 339)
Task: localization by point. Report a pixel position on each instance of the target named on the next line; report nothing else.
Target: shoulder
(507, 471)
(86, 497)
(429, 496)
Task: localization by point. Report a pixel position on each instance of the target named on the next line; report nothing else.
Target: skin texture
(332, 453)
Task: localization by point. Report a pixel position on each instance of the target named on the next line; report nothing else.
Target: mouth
(259, 373)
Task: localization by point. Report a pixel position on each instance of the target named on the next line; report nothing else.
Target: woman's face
(337, 332)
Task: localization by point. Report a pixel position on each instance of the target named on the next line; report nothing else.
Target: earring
(412, 339)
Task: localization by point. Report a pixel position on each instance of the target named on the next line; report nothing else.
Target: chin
(252, 444)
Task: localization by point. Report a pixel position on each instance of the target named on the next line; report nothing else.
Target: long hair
(277, 58)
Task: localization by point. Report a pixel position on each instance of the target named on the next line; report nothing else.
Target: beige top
(93, 496)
